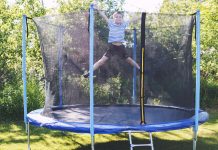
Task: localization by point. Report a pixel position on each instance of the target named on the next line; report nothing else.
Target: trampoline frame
(132, 145)
(141, 145)
(197, 92)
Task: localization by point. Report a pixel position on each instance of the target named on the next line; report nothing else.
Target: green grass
(13, 137)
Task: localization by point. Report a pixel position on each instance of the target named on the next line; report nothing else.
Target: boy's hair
(117, 12)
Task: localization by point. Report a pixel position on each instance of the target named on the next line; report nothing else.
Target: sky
(130, 5)
(143, 5)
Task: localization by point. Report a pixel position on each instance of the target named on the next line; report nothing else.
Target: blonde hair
(117, 12)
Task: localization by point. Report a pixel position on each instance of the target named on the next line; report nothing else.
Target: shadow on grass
(15, 132)
(159, 144)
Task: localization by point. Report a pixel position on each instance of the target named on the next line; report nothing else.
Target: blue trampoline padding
(159, 118)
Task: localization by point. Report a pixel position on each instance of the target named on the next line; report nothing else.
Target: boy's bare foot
(86, 75)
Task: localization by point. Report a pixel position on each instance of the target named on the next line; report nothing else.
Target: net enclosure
(166, 67)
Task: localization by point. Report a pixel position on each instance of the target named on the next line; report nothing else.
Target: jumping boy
(116, 37)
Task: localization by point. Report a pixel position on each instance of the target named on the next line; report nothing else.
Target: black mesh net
(169, 59)
(64, 41)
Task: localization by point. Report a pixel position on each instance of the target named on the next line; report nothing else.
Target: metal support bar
(60, 65)
(28, 135)
(24, 78)
(142, 80)
(198, 78)
(134, 68)
(91, 69)
(141, 145)
(194, 140)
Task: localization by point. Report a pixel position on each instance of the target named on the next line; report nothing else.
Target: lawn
(13, 137)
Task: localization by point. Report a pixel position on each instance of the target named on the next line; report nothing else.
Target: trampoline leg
(194, 141)
(28, 136)
(137, 145)
(194, 145)
(151, 141)
(92, 142)
(130, 141)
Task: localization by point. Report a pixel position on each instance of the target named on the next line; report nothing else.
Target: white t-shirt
(116, 32)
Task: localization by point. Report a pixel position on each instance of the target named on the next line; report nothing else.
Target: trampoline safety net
(64, 41)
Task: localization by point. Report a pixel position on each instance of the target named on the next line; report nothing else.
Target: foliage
(11, 102)
(208, 94)
(111, 5)
(11, 53)
(108, 92)
(209, 44)
(77, 5)
(73, 5)
(11, 86)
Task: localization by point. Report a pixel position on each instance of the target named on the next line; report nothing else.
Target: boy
(116, 37)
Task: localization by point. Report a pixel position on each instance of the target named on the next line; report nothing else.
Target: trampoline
(77, 119)
(117, 98)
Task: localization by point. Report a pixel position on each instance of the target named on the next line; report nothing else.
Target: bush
(11, 103)
(209, 94)
(11, 99)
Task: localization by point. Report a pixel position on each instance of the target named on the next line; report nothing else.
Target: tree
(77, 5)
(10, 54)
(209, 44)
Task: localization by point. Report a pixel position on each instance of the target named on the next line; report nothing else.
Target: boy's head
(118, 17)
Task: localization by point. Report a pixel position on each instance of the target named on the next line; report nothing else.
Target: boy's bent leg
(98, 64)
(132, 62)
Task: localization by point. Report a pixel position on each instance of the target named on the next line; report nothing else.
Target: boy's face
(118, 18)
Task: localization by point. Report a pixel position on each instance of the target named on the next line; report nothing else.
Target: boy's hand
(96, 4)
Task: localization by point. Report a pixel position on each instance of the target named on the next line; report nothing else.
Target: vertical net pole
(197, 89)
(60, 49)
(24, 32)
(91, 69)
(134, 68)
(142, 80)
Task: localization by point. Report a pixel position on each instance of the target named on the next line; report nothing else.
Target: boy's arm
(103, 15)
